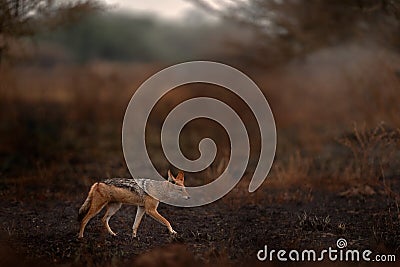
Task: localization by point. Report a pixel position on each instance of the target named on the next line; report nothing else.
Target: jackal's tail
(86, 205)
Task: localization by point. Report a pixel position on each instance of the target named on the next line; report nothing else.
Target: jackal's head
(179, 181)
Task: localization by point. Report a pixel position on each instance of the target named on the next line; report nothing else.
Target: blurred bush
(127, 37)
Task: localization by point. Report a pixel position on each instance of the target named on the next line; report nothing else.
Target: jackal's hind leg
(139, 215)
(112, 208)
(94, 209)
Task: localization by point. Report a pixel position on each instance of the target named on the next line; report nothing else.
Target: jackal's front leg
(139, 215)
(158, 217)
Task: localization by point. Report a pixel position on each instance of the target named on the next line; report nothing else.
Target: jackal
(112, 193)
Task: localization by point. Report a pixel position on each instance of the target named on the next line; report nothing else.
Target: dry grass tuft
(375, 153)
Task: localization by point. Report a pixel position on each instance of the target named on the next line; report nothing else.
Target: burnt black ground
(46, 230)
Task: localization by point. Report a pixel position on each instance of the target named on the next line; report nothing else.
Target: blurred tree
(287, 28)
(23, 18)
(115, 36)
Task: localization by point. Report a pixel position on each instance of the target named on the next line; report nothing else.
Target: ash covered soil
(229, 230)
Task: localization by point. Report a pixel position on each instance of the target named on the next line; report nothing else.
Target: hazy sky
(170, 9)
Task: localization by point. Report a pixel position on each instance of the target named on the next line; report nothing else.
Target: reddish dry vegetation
(336, 172)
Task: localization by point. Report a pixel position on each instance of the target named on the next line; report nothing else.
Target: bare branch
(22, 18)
(286, 28)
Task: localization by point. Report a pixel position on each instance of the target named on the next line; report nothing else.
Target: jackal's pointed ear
(170, 177)
(180, 177)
